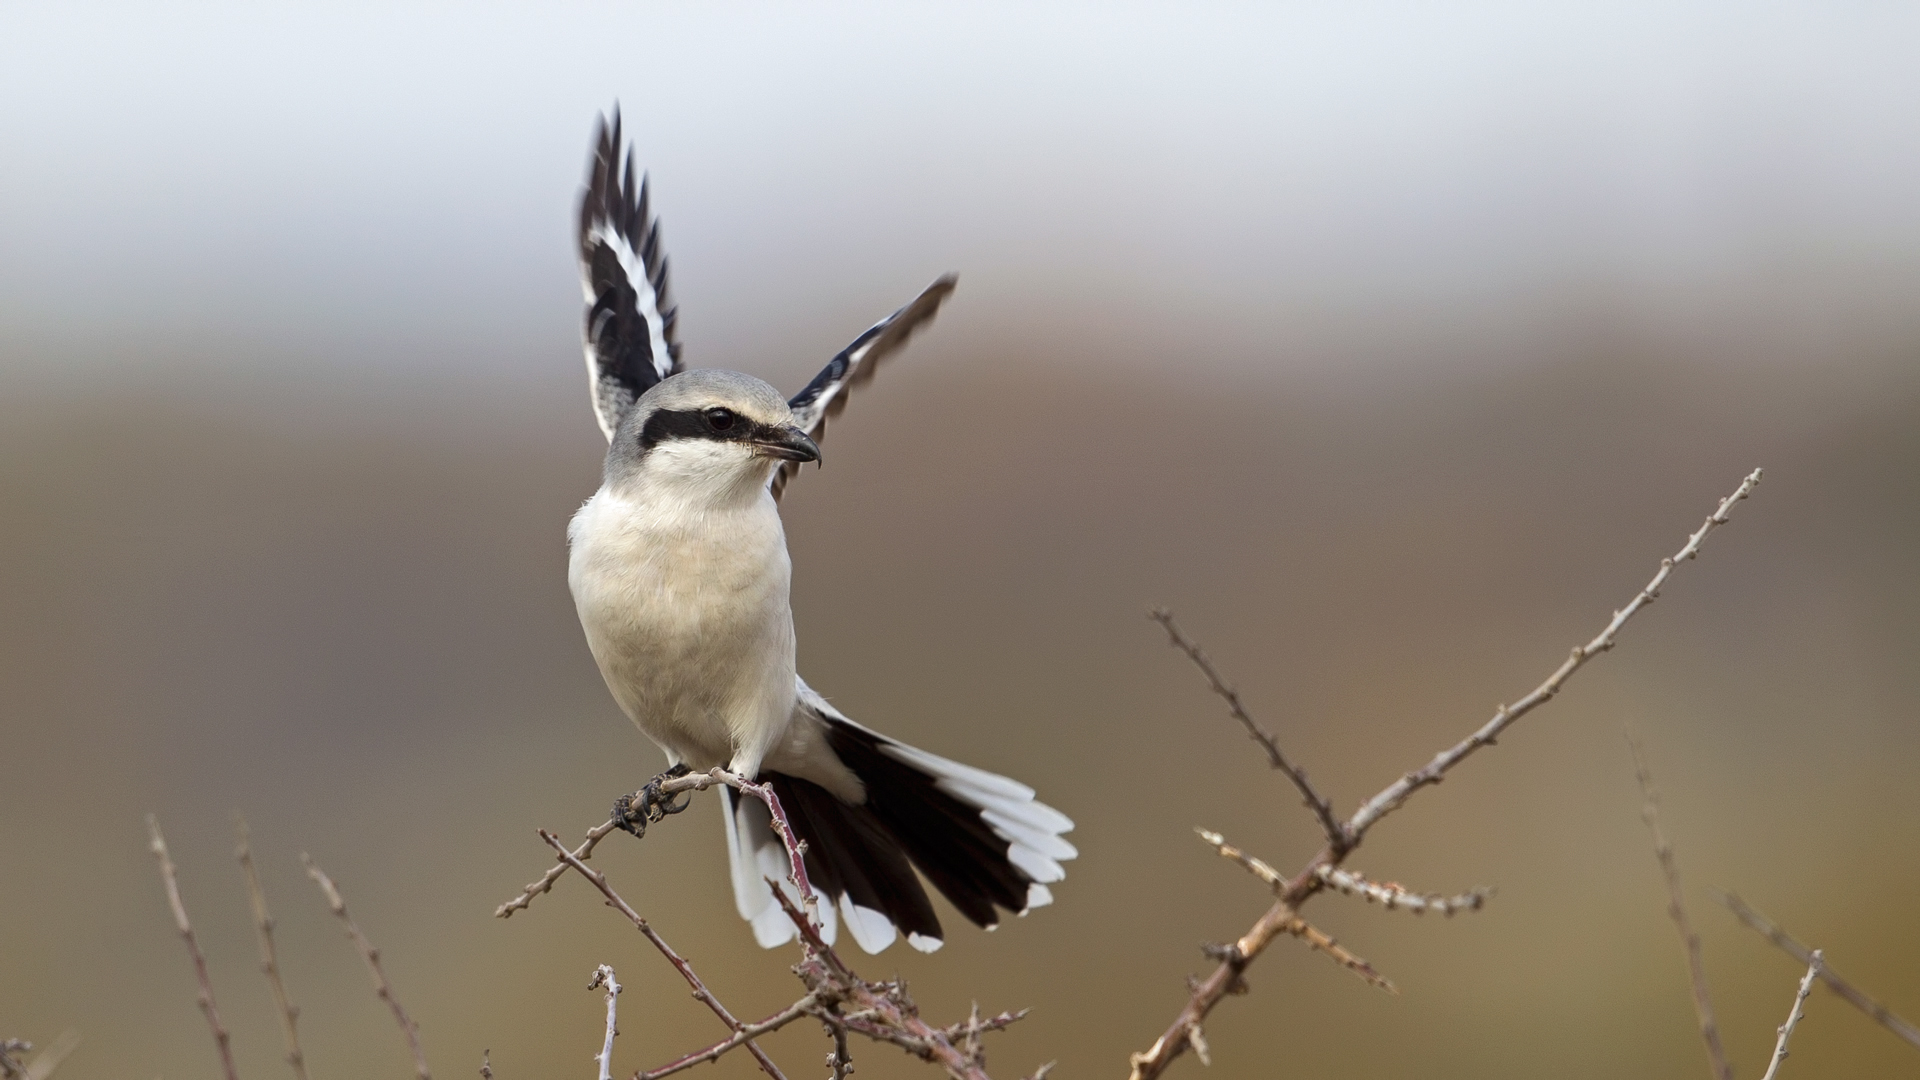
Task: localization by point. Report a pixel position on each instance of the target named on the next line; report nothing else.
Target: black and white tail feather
(981, 839)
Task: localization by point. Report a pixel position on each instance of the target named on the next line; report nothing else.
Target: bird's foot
(635, 812)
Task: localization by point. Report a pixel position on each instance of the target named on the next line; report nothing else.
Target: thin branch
(158, 844)
(1322, 808)
(1390, 799)
(486, 1065)
(838, 1060)
(698, 781)
(1320, 940)
(700, 991)
(1847, 991)
(1225, 978)
(1794, 1016)
(1394, 896)
(408, 1029)
(1677, 911)
(1253, 866)
(269, 962)
(882, 1011)
(603, 976)
(804, 1007)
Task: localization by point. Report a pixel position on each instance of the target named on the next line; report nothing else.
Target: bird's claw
(636, 811)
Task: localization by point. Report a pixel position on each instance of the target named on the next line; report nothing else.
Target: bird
(680, 574)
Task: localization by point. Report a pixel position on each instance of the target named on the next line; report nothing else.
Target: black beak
(787, 443)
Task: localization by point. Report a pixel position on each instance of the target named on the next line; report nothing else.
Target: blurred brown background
(1391, 346)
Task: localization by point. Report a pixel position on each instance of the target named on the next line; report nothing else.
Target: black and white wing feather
(826, 395)
(629, 326)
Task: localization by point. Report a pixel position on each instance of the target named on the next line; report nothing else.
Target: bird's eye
(721, 419)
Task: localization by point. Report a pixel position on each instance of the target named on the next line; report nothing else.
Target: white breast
(686, 611)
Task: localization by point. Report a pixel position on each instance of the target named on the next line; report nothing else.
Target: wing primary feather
(629, 324)
(822, 399)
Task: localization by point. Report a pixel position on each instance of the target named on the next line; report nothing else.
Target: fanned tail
(981, 839)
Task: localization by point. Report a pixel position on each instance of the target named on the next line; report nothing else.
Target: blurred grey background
(1391, 344)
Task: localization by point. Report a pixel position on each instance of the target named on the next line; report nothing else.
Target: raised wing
(826, 395)
(629, 326)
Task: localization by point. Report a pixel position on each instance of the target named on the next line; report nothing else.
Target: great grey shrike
(680, 573)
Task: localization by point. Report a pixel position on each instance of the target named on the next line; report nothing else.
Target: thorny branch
(1299, 928)
(1848, 992)
(1677, 911)
(698, 781)
(1394, 896)
(1322, 808)
(221, 1039)
(836, 996)
(700, 991)
(371, 955)
(1794, 1016)
(269, 961)
(1185, 1031)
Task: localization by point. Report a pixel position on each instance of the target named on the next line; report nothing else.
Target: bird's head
(713, 435)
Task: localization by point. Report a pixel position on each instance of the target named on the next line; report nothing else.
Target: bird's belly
(691, 627)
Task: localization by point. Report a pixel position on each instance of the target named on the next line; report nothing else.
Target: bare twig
(700, 991)
(158, 844)
(269, 962)
(486, 1065)
(1394, 896)
(603, 976)
(1847, 991)
(1209, 992)
(838, 1060)
(10, 1051)
(698, 781)
(1274, 879)
(1319, 939)
(1390, 799)
(371, 955)
(1794, 1016)
(881, 1011)
(1677, 910)
(806, 1006)
(1322, 808)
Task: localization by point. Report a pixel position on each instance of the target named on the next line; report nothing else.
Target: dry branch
(1677, 911)
(698, 781)
(269, 961)
(1794, 1016)
(381, 989)
(1847, 991)
(1396, 897)
(158, 844)
(1322, 808)
(1185, 1031)
(603, 976)
(700, 991)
